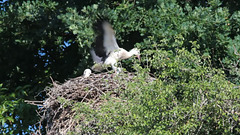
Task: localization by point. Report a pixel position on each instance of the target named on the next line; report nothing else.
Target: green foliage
(14, 113)
(187, 45)
(187, 98)
(6, 106)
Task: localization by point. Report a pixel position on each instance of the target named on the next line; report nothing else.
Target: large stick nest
(59, 117)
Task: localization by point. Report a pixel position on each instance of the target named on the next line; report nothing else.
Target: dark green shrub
(188, 97)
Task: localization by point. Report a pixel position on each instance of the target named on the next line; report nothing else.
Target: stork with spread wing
(106, 51)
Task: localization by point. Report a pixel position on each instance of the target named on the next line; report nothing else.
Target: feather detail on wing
(105, 43)
(95, 58)
(109, 39)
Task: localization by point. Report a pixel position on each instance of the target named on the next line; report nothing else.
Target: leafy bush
(188, 97)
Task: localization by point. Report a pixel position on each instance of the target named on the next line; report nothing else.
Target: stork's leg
(118, 70)
(115, 69)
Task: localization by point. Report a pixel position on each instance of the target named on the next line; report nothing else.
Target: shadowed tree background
(50, 38)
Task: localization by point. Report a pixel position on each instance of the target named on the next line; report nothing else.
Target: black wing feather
(98, 44)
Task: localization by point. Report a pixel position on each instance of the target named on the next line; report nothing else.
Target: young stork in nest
(106, 51)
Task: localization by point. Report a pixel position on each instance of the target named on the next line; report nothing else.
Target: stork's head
(87, 73)
(136, 52)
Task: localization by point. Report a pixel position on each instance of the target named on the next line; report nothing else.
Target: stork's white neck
(125, 54)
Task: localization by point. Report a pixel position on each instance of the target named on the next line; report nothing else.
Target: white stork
(87, 73)
(106, 51)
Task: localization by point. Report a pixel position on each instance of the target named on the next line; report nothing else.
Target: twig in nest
(54, 84)
(37, 103)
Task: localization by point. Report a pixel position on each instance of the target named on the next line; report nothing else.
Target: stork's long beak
(139, 58)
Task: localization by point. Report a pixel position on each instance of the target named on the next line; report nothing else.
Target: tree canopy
(191, 47)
